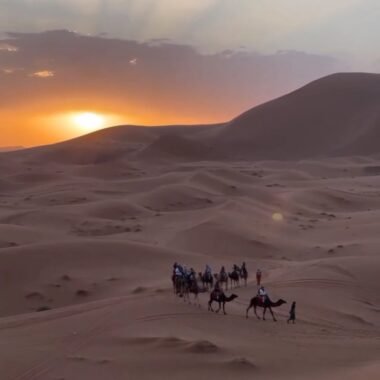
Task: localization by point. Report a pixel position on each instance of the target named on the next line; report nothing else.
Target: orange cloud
(7, 47)
(170, 83)
(43, 74)
(8, 71)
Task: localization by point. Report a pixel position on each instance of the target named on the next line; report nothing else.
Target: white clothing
(262, 292)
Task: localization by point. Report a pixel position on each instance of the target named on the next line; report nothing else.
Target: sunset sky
(68, 67)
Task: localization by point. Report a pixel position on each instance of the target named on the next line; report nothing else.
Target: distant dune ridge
(90, 229)
(337, 115)
(10, 148)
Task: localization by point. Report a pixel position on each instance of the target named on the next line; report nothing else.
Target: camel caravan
(187, 282)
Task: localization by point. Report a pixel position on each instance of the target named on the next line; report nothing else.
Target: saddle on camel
(265, 303)
(217, 295)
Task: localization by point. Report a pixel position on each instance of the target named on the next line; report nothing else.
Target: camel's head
(233, 296)
(281, 301)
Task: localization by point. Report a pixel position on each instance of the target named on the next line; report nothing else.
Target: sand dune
(334, 116)
(172, 146)
(90, 228)
(10, 148)
(175, 197)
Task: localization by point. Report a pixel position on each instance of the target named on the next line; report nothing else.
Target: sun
(89, 121)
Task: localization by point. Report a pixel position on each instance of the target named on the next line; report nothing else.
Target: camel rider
(180, 268)
(263, 294)
(217, 289)
(236, 268)
(176, 269)
(208, 272)
(192, 275)
(243, 268)
(187, 273)
(177, 272)
(223, 273)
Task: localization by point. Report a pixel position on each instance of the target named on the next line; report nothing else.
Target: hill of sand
(90, 229)
(338, 115)
(10, 148)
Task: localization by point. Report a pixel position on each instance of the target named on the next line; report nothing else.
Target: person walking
(292, 313)
(258, 277)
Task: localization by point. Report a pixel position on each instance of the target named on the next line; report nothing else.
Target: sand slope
(335, 115)
(95, 252)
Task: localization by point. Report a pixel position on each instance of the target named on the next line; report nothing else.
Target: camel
(268, 304)
(174, 282)
(235, 278)
(221, 298)
(244, 276)
(207, 281)
(191, 287)
(179, 285)
(222, 278)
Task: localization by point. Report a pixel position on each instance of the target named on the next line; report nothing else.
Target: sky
(157, 62)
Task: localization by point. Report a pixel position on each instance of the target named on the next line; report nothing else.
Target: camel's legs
(254, 308)
(224, 308)
(265, 310)
(196, 298)
(248, 308)
(271, 311)
(209, 306)
(219, 307)
(186, 297)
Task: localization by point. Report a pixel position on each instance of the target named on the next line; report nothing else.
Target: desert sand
(90, 229)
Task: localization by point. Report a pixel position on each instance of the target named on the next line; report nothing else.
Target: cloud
(349, 26)
(7, 71)
(43, 74)
(170, 83)
(8, 48)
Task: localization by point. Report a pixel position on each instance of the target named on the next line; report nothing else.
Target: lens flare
(277, 217)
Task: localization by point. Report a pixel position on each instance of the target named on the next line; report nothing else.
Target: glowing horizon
(149, 62)
(140, 84)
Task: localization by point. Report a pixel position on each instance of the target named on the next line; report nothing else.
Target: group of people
(189, 274)
(181, 271)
